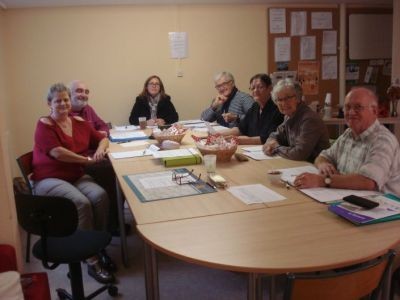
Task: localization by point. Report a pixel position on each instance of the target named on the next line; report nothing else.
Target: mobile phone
(360, 201)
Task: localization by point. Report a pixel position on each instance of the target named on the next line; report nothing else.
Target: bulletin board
(301, 57)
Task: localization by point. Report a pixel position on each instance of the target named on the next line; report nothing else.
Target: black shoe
(106, 261)
(100, 274)
(116, 232)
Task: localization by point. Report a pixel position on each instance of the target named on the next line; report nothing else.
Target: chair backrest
(46, 216)
(350, 283)
(25, 165)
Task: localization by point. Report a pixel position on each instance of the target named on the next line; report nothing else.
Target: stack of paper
(127, 136)
(256, 153)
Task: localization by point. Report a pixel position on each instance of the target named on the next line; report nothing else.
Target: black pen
(211, 186)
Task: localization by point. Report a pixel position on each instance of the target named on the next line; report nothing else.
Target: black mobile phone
(360, 201)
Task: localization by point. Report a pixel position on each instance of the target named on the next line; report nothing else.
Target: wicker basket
(222, 155)
(176, 138)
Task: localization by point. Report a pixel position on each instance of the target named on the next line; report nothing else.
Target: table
(217, 230)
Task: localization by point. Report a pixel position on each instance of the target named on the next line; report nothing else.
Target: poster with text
(308, 75)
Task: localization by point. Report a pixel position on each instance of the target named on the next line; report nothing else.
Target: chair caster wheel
(112, 291)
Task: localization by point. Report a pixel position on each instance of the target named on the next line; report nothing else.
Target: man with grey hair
(81, 108)
(230, 105)
(365, 157)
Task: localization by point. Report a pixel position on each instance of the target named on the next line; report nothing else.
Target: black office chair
(25, 165)
(353, 282)
(55, 220)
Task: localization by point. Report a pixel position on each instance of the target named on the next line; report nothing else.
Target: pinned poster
(321, 20)
(282, 49)
(298, 24)
(307, 47)
(329, 67)
(277, 20)
(178, 43)
(308, 76)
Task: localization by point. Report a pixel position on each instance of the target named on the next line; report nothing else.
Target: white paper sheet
(175, 153)
(129, 154)
(127, 134)
(178, 43)
(255, 193)
(277, 20)
(329, 67)
(282, 49)
(253, 148)
(327, 195)
(329, 42)
(259, 155)
(126, 127)
(289, 174)
(321, 20)
(307, 47)
(134, 143)
(298, 23)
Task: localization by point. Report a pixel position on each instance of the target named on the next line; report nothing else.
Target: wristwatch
(328, 181)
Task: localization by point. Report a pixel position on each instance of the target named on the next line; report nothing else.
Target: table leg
(121, 221)
(254, 288)
(151, 273)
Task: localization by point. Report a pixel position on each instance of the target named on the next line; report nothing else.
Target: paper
(259, 155)
(352, 71)
(127, 135)
(329, 39)
(327, 195)
(298, 23)
(307, 47)
(321, 20)
(175, 153)
(290, 174)
(134, 143)
(189, 122)
(129, 154)
(255, 193)
(253, 148)
(282, 49)
(308, 76)
(277, 20)
(329, 67)
(125, 128)
(205, 129)
(178, 42)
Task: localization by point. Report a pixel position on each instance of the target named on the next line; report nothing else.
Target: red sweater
(47, 137)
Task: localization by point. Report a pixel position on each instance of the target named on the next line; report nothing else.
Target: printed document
(255, 193)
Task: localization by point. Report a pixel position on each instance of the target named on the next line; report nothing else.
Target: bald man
(365, 157)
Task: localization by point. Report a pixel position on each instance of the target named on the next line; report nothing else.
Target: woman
(303, 134)
(60, 154)
(262, 118)
(154, 104)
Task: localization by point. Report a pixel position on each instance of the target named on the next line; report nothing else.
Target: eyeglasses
(153, 84)
(80, 91)
(185, 178)
(222, 85)
(257, 87)
(284, 99)
(356, 108)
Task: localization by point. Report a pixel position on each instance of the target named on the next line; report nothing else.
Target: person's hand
(151, 122)
(218, 101)
(270, 146)
(99, 155)
(309, 180)
(160, 122)
(104, 133)
(229, 117)
(326, 168)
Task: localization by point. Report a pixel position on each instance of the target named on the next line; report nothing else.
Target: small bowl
(161, 137)
(223, 155)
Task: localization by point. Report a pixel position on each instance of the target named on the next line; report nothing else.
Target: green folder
(194, 159)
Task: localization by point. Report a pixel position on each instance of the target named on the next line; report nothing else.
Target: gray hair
(287, 83)
(224, 74)
(364, 92)
(57, 88)
(73, 84)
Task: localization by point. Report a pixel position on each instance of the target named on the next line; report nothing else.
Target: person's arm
(101, 150)
(247, 103)
(249, 140)
(65, 155)
(325, 166)
(230, 131)
(209, 114)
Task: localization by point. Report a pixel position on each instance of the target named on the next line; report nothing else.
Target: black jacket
(165, 110)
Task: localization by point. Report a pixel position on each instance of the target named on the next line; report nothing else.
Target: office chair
(25, 165)
(55, 220)
(350, 283)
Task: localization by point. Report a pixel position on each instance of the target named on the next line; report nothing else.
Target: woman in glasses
(154, 104)
(303, 134)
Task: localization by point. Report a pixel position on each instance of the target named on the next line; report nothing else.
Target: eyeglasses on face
(257, 87)
(153, 84)
(356, 107)
(222, 85)
(80, 91)
(285, 99)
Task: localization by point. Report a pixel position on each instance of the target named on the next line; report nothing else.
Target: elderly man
(80, 107)
(366, 156)
(262, 118)
(230, 105)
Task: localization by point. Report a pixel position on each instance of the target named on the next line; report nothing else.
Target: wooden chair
(349, 283)
(25, 165)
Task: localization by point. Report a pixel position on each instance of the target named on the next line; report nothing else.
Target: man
(230, 105)
(262, 118)
(365, 157)
(80, 107)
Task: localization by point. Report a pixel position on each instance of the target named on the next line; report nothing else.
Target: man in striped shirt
(366, 156)
(230, 105)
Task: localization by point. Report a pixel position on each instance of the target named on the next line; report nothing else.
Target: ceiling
(9, 4)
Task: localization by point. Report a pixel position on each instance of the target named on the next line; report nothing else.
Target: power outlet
(179, 73)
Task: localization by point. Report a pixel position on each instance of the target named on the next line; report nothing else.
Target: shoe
(117, 233)
(106, 262)
(100, 274)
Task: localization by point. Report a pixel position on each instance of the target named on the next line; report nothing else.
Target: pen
(287, 185)
(211, 186)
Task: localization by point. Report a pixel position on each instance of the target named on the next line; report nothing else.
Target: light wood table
(219, 231)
